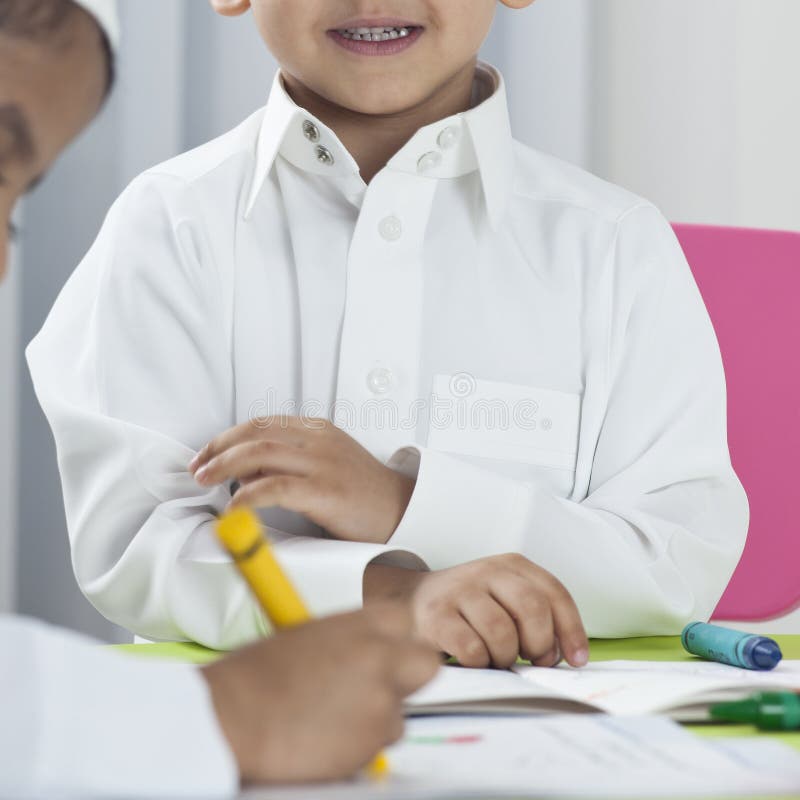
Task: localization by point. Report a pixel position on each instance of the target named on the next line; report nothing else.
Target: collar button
(324, 156)
(310, 131)
(429, 161)
(448, 137)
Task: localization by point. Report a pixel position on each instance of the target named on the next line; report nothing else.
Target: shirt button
(429, 161)
(448, 137)
(380, 380)
(324, 156)
(310, 131)
(390, 228)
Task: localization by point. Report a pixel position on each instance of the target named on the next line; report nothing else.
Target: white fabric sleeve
(133, 370)
(81, 721)
(656, 537)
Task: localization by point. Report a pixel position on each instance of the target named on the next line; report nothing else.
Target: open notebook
(682, 690)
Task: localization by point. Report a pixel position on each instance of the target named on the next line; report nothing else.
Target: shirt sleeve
(81, 721)
(133, 370)
(656, 537)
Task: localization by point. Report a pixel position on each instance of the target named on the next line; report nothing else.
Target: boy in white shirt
(406, 338)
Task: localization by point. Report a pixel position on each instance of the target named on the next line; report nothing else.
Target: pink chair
(750, 281)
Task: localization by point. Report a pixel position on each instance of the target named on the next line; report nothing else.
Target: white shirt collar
(478, 139)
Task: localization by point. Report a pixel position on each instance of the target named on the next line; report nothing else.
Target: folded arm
(655, 537)
(134, 371)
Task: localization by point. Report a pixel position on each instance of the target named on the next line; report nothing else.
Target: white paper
(565, 756)
(645, 687)
(682, 689)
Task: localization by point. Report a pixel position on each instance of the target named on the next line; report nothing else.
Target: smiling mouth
(376, 39)
(379, 34)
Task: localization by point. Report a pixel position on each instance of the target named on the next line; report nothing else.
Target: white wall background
(692, 103)
(697, 107)
(546, 54)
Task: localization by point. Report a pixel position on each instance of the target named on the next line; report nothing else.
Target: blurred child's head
(55, 70)
(309, 39)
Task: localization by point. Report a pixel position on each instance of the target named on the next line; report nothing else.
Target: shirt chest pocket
(526, 432)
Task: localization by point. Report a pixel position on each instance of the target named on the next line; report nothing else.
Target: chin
(377, 103)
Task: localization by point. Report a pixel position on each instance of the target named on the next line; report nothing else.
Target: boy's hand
(488, 612)
(312, 467)
(319, 701)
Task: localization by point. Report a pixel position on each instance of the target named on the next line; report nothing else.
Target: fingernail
(201, 475)
(580, 658)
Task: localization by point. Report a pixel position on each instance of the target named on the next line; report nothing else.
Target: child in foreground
(411, 342)
(79, 720)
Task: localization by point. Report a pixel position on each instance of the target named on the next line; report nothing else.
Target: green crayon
(769, 711)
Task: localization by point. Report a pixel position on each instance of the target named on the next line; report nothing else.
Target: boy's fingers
(549, 659)
(530, 608)
(222, 442)
(454, 635)
(569, 630)
(278, 428)
(248, 459)
(492, 622)
(286, 491)
(253, 478)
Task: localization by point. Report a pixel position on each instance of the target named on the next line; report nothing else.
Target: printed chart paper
(589, 755)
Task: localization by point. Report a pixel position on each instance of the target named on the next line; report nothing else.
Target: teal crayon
(739, 649)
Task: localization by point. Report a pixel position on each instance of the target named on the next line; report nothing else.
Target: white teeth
(374, 34)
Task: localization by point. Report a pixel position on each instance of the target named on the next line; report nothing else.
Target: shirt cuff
(458, 512)
(329, 573)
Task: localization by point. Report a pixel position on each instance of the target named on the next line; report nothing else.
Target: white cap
(105, 12)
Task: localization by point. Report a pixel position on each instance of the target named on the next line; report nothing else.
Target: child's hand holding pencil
(317, 702)
(329, 694)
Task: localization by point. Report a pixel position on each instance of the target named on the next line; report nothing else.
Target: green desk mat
(652, 648)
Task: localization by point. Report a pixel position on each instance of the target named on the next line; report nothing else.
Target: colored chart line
(465, 739)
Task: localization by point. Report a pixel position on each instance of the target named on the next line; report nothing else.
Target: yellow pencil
(240, 532)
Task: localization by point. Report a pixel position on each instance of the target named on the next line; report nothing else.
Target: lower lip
(386, 48)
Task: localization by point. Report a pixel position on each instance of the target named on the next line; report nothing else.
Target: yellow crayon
(240, 532)
(378, 768)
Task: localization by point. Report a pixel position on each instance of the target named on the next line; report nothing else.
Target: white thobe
(523, 338)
